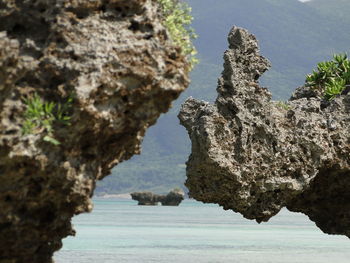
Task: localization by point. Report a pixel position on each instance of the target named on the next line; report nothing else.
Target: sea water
(121, 231)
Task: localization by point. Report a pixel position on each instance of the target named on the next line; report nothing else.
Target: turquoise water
(121, 231)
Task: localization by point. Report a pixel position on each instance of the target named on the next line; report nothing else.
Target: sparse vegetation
(331, 77)
(283, 105)
(40, 116)
(177, 19)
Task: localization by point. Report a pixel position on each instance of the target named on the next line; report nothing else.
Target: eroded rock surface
(116, 60)
(255, 156)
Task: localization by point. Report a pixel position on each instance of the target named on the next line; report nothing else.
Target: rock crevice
(254, 155)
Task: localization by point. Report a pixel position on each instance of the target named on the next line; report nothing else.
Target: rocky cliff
(254, 155)
(80, 82)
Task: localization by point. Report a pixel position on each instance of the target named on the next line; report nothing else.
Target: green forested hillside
(333, 9)
(294, 36)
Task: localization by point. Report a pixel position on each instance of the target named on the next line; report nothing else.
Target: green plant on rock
(40, 116)
(334, 87)
(331, 77)
(283, 105)
(177, 19)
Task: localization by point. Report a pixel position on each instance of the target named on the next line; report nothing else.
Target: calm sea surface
(121, 231)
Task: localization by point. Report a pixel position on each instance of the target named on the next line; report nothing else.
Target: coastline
(126, 196)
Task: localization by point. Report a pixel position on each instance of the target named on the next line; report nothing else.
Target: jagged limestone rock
(255, 156)
(116, 60)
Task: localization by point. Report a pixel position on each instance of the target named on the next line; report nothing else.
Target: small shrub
(177, 19)
(334, 87)
(283, 105)
(331, 77)
(40, 116)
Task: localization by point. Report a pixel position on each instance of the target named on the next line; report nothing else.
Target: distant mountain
(332, 9)
(293, 35)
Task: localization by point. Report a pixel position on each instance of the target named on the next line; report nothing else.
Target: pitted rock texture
(116, 59)
(255, 156)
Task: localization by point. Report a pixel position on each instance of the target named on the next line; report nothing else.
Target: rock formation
(255, 156)
(145, 198)
(115, 60)
(173, 198)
